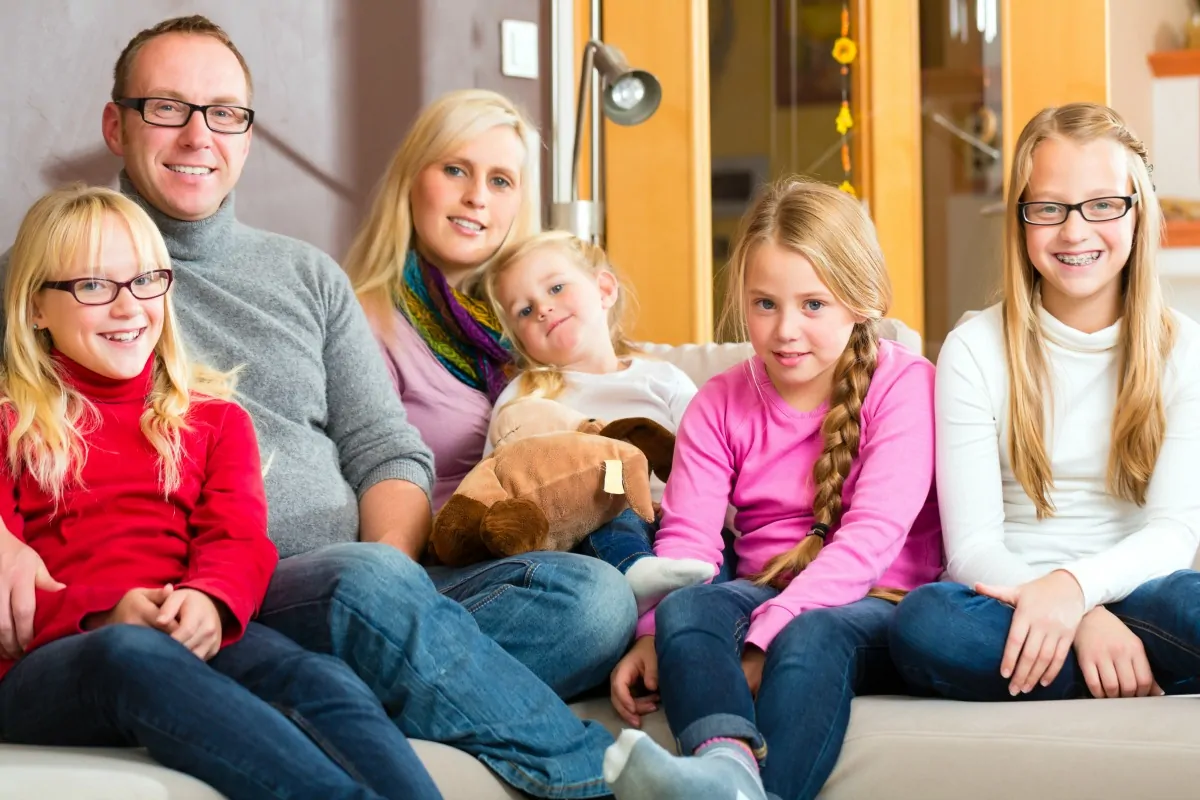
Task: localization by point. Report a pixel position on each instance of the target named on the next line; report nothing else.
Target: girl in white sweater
(1068, 445)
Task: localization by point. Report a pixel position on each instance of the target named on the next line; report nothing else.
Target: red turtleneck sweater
(118, 532)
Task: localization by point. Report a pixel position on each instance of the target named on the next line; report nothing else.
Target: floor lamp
(627, 97)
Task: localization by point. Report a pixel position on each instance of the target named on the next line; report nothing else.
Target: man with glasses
(347, 477)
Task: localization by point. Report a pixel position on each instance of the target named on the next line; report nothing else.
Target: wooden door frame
(658, 175)
(888, 91)
(1052, 53)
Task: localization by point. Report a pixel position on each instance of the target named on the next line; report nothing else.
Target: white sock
(636, 768)
(653, 578)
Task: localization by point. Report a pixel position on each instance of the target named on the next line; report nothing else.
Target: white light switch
(519, 48)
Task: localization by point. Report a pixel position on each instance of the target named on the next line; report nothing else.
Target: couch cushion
(895, 747)
(51, 773)
(946, 750)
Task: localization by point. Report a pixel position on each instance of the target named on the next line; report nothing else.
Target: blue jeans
(629, 537)
(948, 640)
(263, 718)
(439, 678)
(620, 542)
(814, 669)
(566, 617)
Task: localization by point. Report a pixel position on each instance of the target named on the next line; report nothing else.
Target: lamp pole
(597, 179)
(626, 96)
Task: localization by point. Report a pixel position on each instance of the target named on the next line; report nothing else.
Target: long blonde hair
(375, 262)
(546, 380)
(1147, 329)
(829, 228)
(45, 416)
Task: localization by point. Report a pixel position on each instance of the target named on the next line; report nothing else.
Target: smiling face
(557, 311)
(464, 204)
(114, 340)
(187, 172)
(796, 325)
(1080, 262)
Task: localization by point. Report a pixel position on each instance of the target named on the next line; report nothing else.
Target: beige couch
(896, 747)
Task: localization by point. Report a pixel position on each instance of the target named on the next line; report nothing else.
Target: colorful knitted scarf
(462, 332)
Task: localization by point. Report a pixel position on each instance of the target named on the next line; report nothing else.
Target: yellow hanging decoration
(845, 50)
(845, 120)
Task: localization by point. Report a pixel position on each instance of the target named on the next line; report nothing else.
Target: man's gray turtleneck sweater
(329, 423)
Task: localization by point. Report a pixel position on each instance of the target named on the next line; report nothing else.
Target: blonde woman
(462, 185)
(823, 443)
(1068, 434)
(562, 305)
(136, 483)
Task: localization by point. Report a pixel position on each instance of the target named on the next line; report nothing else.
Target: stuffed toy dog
(554, 477)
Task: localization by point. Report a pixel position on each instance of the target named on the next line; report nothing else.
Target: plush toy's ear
(591, 426)
(653, 439)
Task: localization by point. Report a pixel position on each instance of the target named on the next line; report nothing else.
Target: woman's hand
(1112, 657)
(640, 663)
(22, 571)
(752, 665)
(1046, 614)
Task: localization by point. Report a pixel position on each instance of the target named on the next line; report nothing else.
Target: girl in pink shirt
(823, 443)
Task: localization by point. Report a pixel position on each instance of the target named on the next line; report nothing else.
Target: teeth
(127, 336)
(1078, 261)
(189, 170)
(466, 223)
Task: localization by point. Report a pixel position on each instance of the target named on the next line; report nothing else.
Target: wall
(337, 84)
(1141, 27)
(1136, 29)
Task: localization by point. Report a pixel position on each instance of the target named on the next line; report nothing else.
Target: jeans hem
(724, 726)
(628, 561)
(522, 781)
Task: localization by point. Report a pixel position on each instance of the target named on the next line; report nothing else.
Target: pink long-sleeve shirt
(740, 443)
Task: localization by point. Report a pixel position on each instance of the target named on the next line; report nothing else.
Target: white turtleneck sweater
(990, 525)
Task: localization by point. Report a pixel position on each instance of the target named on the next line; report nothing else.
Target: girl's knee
(134, 653)
(919, 624)
(686, 608)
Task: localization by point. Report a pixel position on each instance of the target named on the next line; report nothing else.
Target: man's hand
(194, 621)
(22, 571)
(1046, 613)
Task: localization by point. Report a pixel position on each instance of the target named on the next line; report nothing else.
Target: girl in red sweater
(137, 483)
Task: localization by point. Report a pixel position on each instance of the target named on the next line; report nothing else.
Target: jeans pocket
(462, 584)
(476, 602)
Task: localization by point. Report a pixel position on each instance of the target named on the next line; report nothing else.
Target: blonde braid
(841, 429)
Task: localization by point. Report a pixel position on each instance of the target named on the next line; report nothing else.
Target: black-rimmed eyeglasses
(1100, 209)
(168, 112)
(102, 291)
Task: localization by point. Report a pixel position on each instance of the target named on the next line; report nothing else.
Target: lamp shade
(630, 96)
